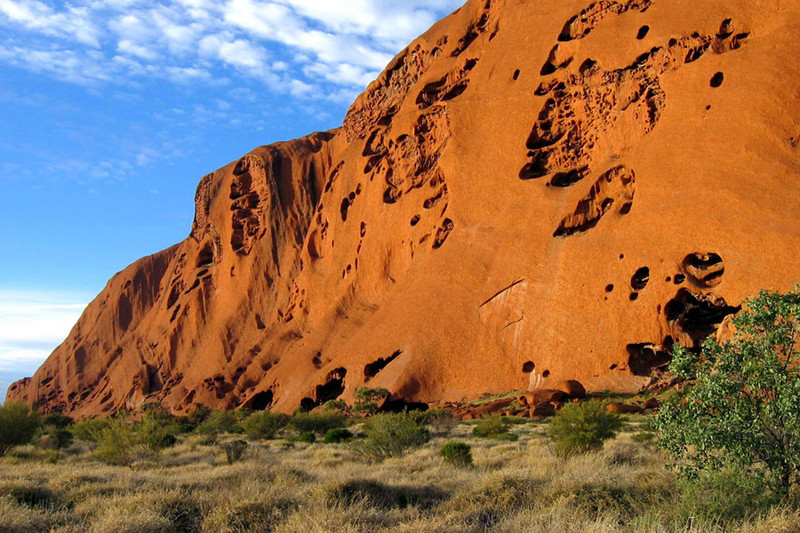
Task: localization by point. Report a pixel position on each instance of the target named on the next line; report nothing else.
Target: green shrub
(18, 425)
(264, 425)
(317, 422)
(159, 440)
(219, 422)
(308, 436)
(456, 454)
(234, 450)
(494, 427)
(581, 427)
(740, 408)
(122, 441)
(390, 435)
(88, 429)
(337, 435)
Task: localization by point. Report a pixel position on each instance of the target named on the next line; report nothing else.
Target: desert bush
(390, 435)
(309, 437)
(264, 425)
(88, 429)
(317, 422)
(581, 427)
(217, 423)
(122, 441)
(199, 415)
(18, 425)
(234, 450)
(335, 435)
(494, 427)
(740, 408)
(456, 454)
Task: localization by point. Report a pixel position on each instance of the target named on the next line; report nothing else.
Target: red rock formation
(531, 192)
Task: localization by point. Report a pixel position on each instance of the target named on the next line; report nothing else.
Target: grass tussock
(285, 485)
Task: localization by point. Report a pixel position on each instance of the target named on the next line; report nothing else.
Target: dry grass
(300, 488)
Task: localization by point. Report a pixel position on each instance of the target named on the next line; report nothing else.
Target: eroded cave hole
(372, 369)
(516, 75)
(546, 374)
(643, 31)
(333, 388)
(693, 317)
(206, 256)
(528, 367)
(260, 402)
(717, 80)
(704, 269)
(307, 404)
(640, 279)
(644, 358)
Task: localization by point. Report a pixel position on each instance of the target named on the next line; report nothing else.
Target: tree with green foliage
(369, 399)
(582, 427)
(18, 425)
(740, 405)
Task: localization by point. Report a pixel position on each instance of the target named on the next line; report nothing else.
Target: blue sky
(112, 110)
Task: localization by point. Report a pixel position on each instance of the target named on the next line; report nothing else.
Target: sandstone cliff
(533, 190)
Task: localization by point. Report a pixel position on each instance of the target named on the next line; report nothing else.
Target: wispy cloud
(32, 324)
(340, 42)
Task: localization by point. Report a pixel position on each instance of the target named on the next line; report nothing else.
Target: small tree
(741, 405)
(18, 424)
(369, 400)
(582, 427)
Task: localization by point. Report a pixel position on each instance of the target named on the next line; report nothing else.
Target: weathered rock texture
(532, 192)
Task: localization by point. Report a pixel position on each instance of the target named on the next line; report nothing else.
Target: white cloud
(74, 22)
(312, 43)
(32, 324)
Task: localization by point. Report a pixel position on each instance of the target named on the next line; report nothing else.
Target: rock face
(531, 192)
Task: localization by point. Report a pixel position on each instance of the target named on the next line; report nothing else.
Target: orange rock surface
(532, 192)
